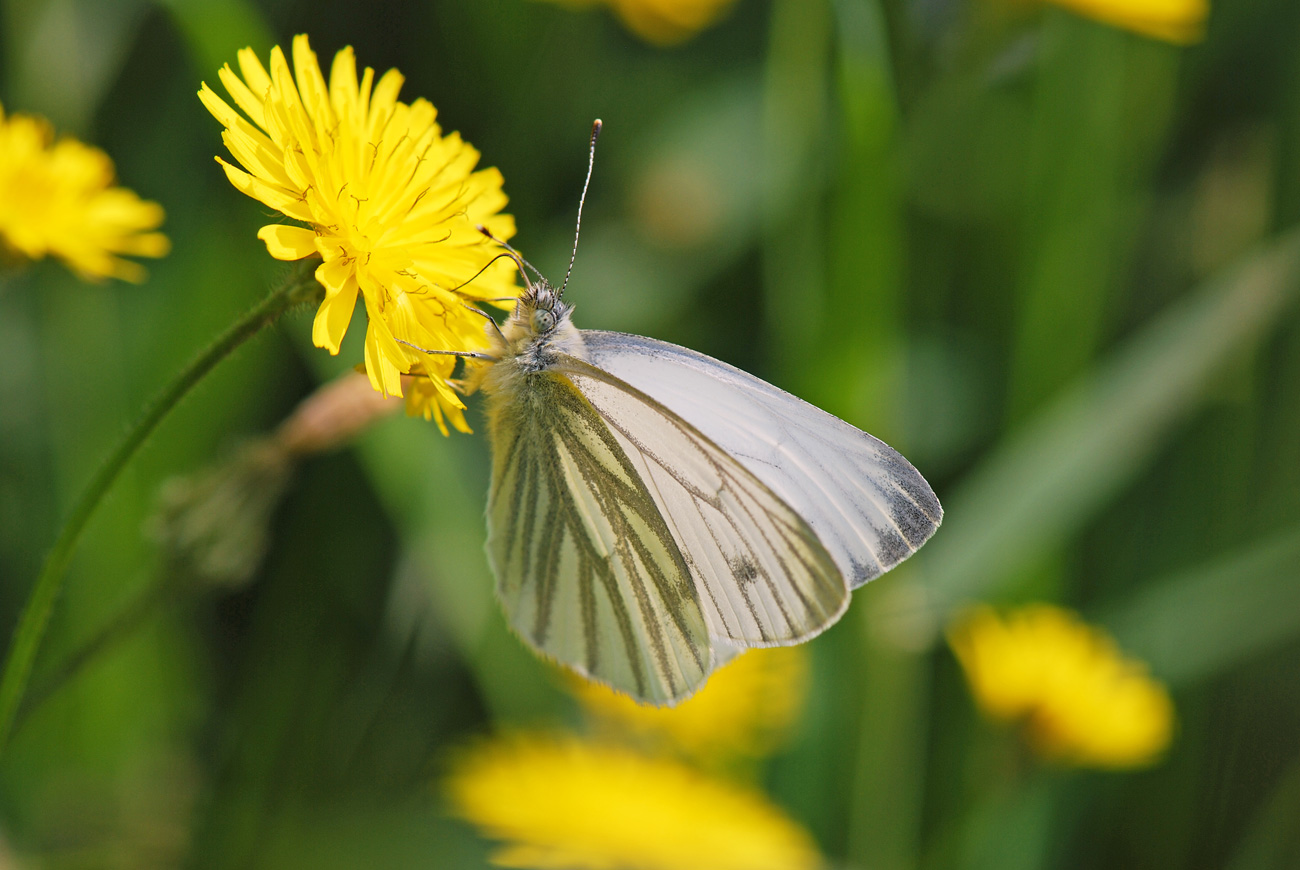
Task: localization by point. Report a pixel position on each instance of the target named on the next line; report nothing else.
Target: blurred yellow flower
(1082, 701)
(562, 803)
(662, 22)
(746, 709)
(59, 198)
(1179, 21)
(391, 206)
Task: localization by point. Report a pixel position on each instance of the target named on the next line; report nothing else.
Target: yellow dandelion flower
(390, 203)
(561, 803)
(746, 709)
(59, 198)
(662, 22)
(424, 398)
(1082, 701)
(1178, 21)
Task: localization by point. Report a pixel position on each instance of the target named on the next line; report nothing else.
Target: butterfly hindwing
(762, 576)
(587, 569)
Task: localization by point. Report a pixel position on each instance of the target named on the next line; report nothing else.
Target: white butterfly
(654, 511)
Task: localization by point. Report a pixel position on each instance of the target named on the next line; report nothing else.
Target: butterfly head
(539, 309)
(540, 325)
(538, 312)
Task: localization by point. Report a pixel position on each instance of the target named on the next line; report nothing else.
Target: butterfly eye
(543, 320)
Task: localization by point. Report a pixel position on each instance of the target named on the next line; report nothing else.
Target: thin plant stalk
(35, 615)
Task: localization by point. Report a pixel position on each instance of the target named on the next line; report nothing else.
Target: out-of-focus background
(1050, 257)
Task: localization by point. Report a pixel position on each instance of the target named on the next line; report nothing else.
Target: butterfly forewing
(587, 569)
(867, 505)
(763, 577)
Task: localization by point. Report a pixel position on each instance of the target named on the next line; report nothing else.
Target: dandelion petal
(286, 242)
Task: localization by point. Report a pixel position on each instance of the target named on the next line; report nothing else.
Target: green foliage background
(1053, 262)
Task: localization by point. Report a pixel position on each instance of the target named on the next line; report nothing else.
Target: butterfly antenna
(474, 277)
(512, 254)
(591, 162)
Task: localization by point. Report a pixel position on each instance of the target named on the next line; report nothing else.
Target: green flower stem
(298, 289)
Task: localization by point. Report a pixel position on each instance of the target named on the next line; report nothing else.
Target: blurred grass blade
(1202, 622)
(215, 29)
(1101, 109)
(889, 773)
(854, 373)
(1010, 829)
(795, 114)
(61, 59)
(1065, 463)
(1273, 841)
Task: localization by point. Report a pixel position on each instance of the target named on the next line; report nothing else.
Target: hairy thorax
(524, 351)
